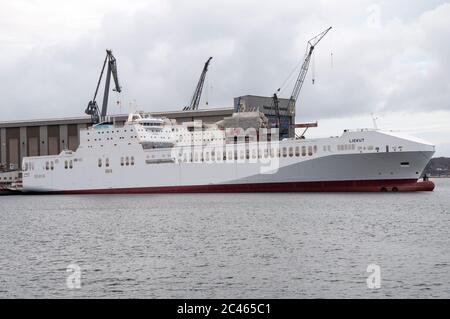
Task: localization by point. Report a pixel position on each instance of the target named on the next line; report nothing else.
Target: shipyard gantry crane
(195, 101)
(92, 108)
(312, 43)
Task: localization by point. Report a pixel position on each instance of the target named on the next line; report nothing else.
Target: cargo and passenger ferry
(157, 155)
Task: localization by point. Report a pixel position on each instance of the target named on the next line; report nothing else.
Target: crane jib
(304, 69)
(195, 101)
(92, 108)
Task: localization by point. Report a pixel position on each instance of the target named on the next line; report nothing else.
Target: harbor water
(302, 245)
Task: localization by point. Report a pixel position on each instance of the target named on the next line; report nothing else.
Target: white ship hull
(357, 161)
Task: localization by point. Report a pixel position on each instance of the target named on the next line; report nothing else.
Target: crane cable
(119, 101)
(313, 68)
(289, 77)
(331, 49)
(207, 89)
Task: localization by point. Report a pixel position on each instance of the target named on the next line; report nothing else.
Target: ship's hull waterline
(290, 187)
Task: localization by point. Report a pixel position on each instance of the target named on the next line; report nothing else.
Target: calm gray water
(227, 245)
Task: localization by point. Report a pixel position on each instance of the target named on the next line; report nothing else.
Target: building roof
(120, 117)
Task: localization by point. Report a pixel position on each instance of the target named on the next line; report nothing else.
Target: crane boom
(92, 108)
(112, 69)
(301, 77)
(277, 109)
(195, 101)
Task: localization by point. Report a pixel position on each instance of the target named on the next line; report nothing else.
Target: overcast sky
(390, 58)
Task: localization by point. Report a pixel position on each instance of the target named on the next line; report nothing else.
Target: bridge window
(99, 162)
(297, 151)
(291, 151)
(66, 164)
(132, 160)
(303, 150)
(310, 150)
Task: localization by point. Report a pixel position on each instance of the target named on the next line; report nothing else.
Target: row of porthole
(181, 139)
(156, 137)
(100, 162)
(110, 139)
(49, 166)
(285, 152)
(68, 164)
(346, 147)
(126, 161)
(10, 178)
(107, 132)
(28, 166)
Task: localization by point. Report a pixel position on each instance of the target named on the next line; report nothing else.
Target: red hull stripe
(410, 185)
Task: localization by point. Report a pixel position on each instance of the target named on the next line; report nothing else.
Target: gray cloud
(397, 62)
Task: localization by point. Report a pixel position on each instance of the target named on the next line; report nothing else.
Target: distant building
(264, 104)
